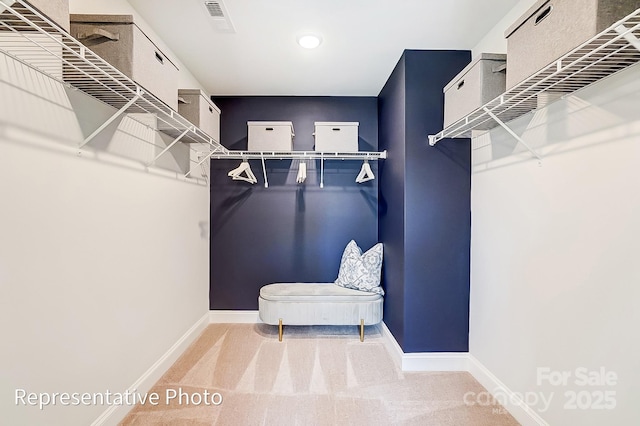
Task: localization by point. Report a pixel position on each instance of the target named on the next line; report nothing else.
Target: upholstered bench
(318, 304)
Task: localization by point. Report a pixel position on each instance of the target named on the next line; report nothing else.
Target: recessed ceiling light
(309, 41)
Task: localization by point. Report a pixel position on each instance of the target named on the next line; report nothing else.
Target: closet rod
(298, 155)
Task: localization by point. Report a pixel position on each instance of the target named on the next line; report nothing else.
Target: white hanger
(366, 173)
(302, 172)
(245, 168)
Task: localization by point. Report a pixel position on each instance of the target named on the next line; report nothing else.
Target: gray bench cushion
(316, 292)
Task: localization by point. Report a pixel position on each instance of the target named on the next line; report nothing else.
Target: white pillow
(361, 271)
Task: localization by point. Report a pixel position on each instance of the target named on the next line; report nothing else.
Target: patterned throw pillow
(361, 271)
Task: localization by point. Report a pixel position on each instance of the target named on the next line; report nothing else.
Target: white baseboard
(524, 414)
(234, 317)
(391, 344)
(423, 361)
(116, 413)
(436, 361)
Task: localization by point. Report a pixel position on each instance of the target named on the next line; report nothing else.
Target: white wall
(554, 275)
(494, 41)
(555, 272)
(103, 264)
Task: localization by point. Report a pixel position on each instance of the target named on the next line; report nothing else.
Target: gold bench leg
(361, 330)
(280, 330)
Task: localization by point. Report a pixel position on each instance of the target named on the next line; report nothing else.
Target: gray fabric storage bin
(56, 10)
(478, 83)
(119, 41)
(551, 28)
(199, 109)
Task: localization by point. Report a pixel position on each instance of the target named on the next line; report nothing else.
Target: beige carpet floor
(316, 376)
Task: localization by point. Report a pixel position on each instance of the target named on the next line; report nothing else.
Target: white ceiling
(362, 40)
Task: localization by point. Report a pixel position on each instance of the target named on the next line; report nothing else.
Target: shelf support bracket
(264, 171)
(511, 132)
(175, 141)
(204, 158)
(112, 118)
(628, 35)
(321, 170)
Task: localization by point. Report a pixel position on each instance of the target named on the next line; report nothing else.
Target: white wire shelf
(41, 44)
(299, 155)
(614, 49)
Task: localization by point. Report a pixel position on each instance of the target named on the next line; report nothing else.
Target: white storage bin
(478, 83)
(199, 109)
(270, 135)
(336, 136)
(119, 41)
(551, 28)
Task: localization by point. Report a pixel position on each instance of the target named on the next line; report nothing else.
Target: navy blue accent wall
(435, 191)
(391, 110)
(287, 232)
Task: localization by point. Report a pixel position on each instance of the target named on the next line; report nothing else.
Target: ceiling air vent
(214, 9)
(218, 16)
